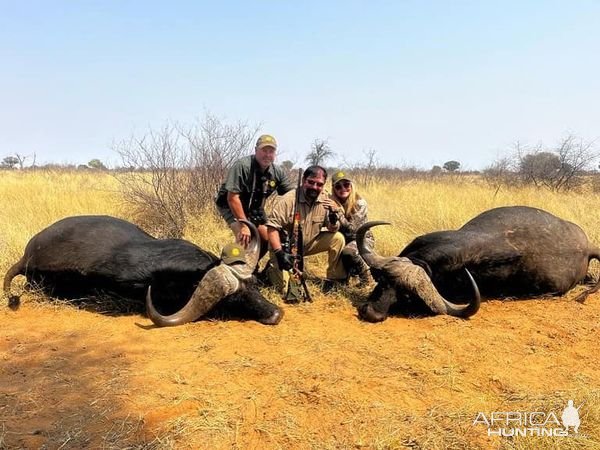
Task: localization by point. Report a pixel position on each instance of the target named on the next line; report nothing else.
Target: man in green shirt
(249, 182)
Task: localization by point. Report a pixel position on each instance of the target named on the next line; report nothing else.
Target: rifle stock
(297, 250)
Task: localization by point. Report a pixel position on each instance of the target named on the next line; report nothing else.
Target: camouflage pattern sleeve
(344, 223)
(359, 218)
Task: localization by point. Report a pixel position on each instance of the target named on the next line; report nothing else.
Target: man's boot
(330, 286)
(348, 262)
(262, 277)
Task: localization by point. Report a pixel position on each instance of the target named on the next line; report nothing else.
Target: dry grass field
(75, 378)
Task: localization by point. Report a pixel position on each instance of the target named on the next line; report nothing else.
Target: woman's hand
(331, 204)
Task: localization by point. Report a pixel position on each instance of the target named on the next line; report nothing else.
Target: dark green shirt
(245, 178)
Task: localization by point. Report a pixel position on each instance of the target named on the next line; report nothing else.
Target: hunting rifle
(297, 277)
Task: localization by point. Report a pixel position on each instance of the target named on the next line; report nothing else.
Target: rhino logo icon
(570, 417)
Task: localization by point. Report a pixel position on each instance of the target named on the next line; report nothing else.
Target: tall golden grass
(32, 200)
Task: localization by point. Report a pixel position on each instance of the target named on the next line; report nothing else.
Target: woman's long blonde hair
(350, 206)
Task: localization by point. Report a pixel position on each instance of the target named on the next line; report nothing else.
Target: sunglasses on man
(314, 183)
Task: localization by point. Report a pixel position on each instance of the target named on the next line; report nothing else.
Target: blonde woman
(352, 215)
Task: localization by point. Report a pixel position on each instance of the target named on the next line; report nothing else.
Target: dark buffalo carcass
(87, 255)
(514, 251)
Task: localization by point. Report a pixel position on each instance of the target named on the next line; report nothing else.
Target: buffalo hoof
(14, 302)
(368, 314)
(274, 319)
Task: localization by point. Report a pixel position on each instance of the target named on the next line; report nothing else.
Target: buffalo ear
(379, 276)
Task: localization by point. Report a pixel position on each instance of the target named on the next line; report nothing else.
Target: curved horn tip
(247, 222)
(471, 308)
(252, 251)
(370, 256)
(150, 310)
(474, 305)
(252, 227)
(156, 318)
(380, 222)
(414, 278)
(374, 223)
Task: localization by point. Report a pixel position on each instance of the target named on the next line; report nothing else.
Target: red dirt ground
(71, 378)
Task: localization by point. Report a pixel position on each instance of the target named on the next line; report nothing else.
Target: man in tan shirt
(319, 233)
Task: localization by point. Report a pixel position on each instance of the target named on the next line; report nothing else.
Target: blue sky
(419, 82)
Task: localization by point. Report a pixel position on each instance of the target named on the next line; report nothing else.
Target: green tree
(451, 166)
(9, 162)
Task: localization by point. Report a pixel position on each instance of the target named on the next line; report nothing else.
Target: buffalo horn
(367, 253)
(413, 278)
(218, 283)
(407, 275)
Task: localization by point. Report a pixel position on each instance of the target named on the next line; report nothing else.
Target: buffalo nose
(274, 319)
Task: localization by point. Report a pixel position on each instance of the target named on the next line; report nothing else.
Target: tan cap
(232, 253)
(340, 175)
(266, 140)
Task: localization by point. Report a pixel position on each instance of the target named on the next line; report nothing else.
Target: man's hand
(244, 236)
(333, 214)
(285, 261)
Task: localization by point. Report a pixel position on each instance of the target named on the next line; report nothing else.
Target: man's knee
(262, 232)
(337, 241)
(348, 252)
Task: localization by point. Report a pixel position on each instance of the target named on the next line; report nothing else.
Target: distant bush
(561, 168)
(176, 171)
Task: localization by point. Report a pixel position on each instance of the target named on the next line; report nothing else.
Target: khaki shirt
(313, 217)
